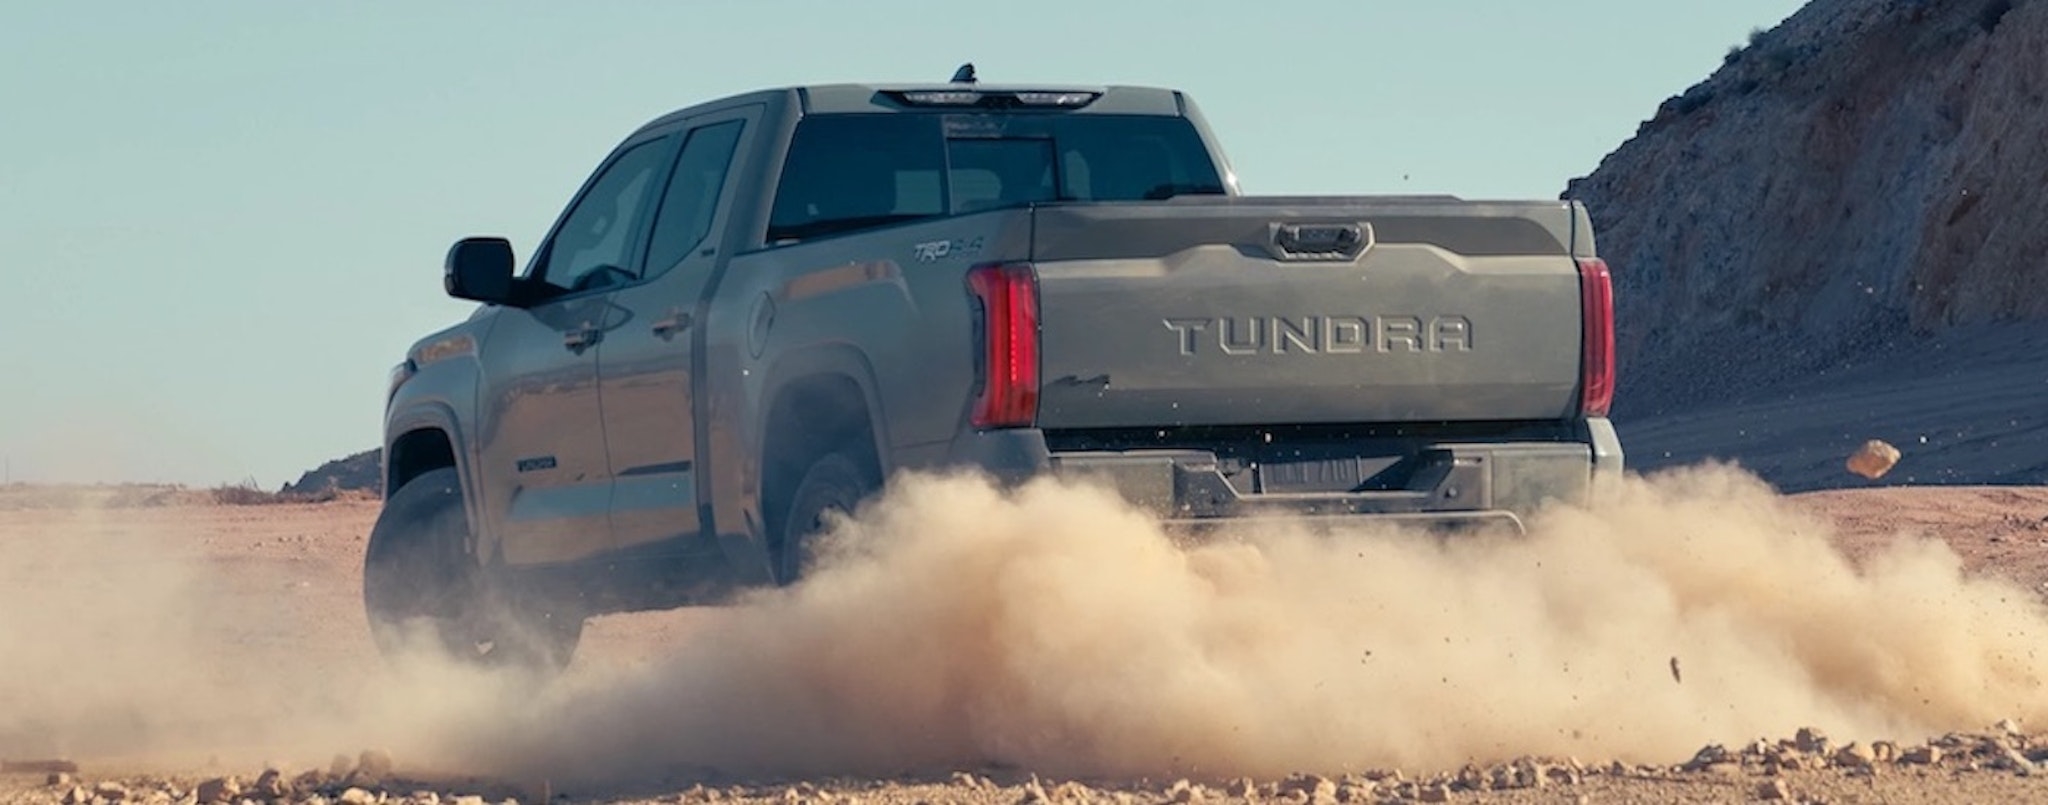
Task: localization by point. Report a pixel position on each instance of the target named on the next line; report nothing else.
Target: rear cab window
(851, 172)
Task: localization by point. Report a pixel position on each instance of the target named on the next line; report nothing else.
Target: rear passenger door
(648, 366)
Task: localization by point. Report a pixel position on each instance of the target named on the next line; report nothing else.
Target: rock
(1926, 755)
(1873, 459)
(1708, 756)
(271, 785)
(1183, 792)
(1725, 768)
(110, 791)
(1033, 792)
(1309, 788)
(1855, 756)
(77, 796)
(1434, 793)
(1812, 741)
(1773, 790)
(467, 800)
(2017, 762)
(340, 767)
(219, 789)
(374, 764)
(1069, 791)
(357, 796)
(1242, 788)
(2009, 727)
(1886, 751)
(57, 779)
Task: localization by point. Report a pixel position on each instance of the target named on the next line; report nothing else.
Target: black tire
(422, 583)
(836, 482)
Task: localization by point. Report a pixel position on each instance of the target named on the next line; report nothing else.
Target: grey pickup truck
(758, 309)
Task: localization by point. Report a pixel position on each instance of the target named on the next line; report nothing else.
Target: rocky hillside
(1867, 177)
(360, 472)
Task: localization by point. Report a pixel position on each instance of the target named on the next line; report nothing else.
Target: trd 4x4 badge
(932, 251)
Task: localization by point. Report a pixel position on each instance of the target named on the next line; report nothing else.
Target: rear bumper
(1454, 485)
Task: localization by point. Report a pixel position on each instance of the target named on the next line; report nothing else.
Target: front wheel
(424, 590)
(833, 483)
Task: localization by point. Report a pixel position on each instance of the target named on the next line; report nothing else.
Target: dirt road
(161, 647)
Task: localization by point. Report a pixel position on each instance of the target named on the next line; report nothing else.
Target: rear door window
(691, 201)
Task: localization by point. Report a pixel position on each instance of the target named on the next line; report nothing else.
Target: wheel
(423, 586)
(833, 483)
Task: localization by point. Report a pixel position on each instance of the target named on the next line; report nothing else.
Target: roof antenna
(964, 75)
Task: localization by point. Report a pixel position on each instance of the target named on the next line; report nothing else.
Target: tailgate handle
(1319, 241)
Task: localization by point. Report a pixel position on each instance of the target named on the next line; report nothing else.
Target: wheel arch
(824, 402)
(424, 437)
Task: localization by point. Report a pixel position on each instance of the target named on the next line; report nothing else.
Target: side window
(596, 242)
(849, 172)
(692, 197)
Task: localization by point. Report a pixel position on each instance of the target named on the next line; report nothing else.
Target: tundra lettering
(1334, 335)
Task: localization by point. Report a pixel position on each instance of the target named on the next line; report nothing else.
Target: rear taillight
(1596, 360)
(1008, 293)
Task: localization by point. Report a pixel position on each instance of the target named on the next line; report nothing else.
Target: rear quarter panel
(886, 308)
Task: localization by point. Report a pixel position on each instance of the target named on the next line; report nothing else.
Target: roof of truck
(851, 98)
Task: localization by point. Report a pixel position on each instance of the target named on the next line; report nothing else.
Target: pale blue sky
(222, 222)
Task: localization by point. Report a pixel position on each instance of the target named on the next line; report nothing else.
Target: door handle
(581, 339)
(676, 322)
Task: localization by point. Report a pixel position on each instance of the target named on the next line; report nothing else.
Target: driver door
(545, 489)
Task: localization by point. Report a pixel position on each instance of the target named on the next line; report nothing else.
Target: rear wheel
(836, 482)
(423, 588)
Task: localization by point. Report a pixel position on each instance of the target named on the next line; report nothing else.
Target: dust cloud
(1057, 630)
(123, 642)
(1052, 628)
(90, 635)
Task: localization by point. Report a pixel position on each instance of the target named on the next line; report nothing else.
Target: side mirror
(479, 269)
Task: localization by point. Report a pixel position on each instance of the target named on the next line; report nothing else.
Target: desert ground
(1873, 645)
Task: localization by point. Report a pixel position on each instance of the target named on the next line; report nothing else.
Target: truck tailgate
(1249, 310)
